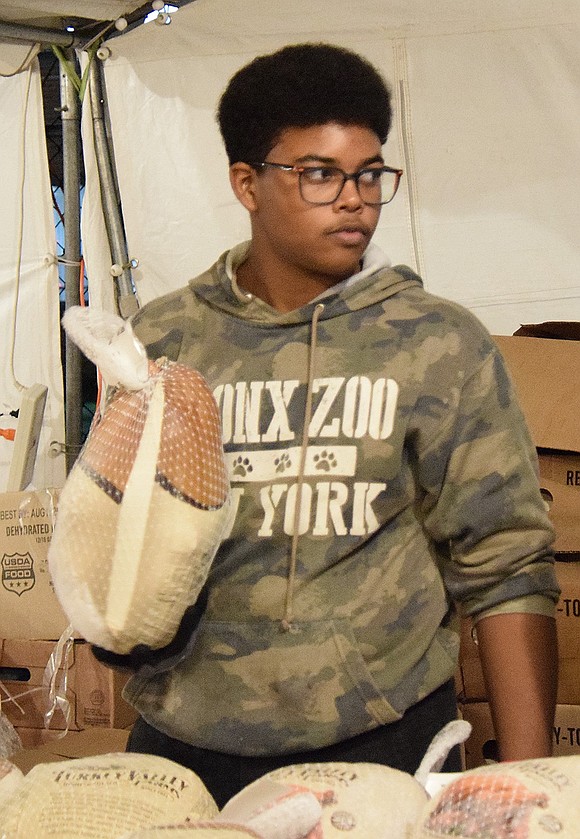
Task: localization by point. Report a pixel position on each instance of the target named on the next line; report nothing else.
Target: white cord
(32, 53)
(20, 236)
(62, 261)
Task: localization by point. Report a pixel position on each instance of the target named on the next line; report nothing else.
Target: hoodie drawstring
(286, 622)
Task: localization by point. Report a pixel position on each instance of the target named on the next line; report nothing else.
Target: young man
(380, 465)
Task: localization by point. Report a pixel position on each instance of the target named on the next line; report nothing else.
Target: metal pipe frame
(35, 35)
(126, 301)
(70, 114)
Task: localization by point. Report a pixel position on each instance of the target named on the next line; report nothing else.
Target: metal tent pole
(121, 269)
(70, 108)
(35, 35)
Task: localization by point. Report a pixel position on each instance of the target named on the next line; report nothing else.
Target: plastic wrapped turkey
(363, 800)
(529, 799)
(197, 830)
(104, 797)
(327, 800)
(147, 501)
(10, 779)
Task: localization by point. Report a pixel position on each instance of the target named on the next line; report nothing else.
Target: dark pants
(401, 744)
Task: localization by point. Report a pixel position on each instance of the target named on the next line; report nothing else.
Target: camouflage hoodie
(381, 471)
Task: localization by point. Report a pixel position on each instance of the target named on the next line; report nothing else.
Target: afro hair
(300, 86)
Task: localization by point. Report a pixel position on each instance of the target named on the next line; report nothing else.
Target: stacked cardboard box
(31, 622)
(546, 374)
(87, 694)
(480, 747)
(28, 605)
(90, 741)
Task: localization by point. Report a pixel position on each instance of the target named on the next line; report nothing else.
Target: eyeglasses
(323, 184)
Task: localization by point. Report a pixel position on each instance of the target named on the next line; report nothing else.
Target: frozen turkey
(147, 502)
(361, 800)
(104, 797)
(528, 799)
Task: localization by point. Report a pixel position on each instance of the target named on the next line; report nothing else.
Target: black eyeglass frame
(346, 176)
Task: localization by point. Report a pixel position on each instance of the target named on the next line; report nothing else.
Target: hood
(376, 281)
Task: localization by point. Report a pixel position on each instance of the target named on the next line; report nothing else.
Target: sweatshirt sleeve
(482, 502)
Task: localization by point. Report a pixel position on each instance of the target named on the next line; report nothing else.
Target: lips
(350, 234)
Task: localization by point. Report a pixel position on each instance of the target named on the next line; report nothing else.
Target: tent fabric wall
(486, 100)
(29, 297)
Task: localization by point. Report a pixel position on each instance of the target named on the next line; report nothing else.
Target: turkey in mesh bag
(147, 501)
(138, 796)
(329, 800)
(104, 797)
(196, 830)
(10, 779)
(528, 799)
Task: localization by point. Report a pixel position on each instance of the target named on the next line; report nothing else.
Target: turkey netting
(142, 512)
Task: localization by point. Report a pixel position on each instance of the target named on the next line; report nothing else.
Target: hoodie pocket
(251, 688)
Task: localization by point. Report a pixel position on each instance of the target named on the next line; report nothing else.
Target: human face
(301, 240)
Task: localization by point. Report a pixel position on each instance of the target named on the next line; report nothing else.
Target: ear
(243, 181)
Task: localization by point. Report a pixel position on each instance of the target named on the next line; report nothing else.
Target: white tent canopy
(52, 13)
(487, 131)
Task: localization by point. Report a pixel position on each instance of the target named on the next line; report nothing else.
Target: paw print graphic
(282, 463)
(325, 461)
(242, 466)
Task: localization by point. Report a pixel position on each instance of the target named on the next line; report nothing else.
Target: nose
(349, 195)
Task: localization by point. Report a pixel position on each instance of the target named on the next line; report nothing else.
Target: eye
(320, 174)
(370, 176)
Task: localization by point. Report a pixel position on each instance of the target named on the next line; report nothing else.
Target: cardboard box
(564, 510)
(92, 690)
(469, 683)
(546, 375)
(44, 747)
(98, 692)
(470, 677)
(28, 605)
(481, 747)
(36, 738)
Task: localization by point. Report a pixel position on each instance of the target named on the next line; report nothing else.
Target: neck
(283, 287)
